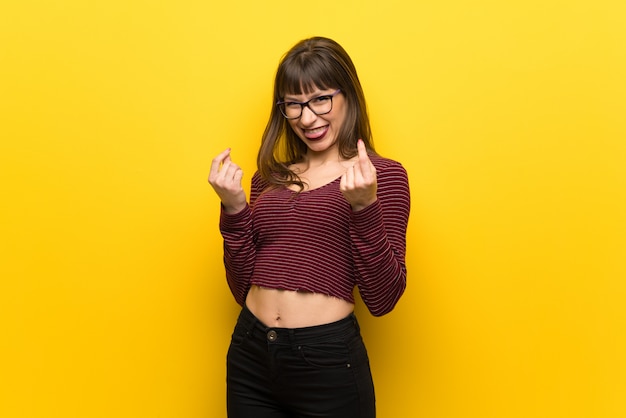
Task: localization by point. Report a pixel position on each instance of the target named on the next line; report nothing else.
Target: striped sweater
(312, 241)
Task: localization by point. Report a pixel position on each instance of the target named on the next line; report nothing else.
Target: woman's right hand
(225, 178)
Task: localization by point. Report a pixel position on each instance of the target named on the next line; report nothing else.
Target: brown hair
(312, 63)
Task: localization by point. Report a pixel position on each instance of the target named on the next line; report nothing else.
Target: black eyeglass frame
(303, 104)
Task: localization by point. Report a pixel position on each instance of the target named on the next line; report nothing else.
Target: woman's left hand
(358, 184)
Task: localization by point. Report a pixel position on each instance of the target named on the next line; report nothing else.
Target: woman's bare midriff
(289, 309)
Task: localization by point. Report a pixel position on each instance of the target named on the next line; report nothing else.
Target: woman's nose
(307, 116)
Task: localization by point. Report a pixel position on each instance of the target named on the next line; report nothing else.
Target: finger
(230, 171)
(364, 160)
(361, 149)
(218, 161)
(219, 177)
(358, 177)
(222, 155)
(237, 177)
(349, 174)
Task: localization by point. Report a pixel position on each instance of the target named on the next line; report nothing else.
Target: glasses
(319, 105)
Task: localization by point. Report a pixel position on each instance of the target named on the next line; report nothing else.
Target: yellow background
(509, 116)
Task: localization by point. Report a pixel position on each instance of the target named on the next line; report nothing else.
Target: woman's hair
(312, 63)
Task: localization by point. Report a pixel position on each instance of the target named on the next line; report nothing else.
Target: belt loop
(356, 323)
(292, 339)
(251, 327)
(251, 323)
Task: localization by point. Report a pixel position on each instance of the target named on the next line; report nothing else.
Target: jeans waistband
(346, 327)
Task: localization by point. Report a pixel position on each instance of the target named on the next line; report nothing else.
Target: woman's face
(318, 132)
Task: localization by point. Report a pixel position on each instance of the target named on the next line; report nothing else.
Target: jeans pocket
(326, 355)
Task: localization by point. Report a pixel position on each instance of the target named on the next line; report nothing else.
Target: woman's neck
(320, 159)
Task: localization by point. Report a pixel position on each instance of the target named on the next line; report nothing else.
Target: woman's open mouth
(315, 133)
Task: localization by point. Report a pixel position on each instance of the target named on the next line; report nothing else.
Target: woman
(326, 214)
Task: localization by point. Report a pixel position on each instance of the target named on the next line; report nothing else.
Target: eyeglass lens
(318, 105)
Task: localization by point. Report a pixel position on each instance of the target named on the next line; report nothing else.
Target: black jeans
(320, 371)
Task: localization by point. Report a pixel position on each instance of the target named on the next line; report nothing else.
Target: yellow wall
(509, 116)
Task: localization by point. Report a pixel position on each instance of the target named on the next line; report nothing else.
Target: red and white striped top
(312, 241)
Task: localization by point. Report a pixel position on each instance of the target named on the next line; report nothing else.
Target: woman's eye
(292, 105)
(321, 99)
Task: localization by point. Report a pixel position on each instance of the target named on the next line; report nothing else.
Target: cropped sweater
(313, 241)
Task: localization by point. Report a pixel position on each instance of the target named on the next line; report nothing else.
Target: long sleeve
(378, 234)
(240, 246)
(239, 251)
